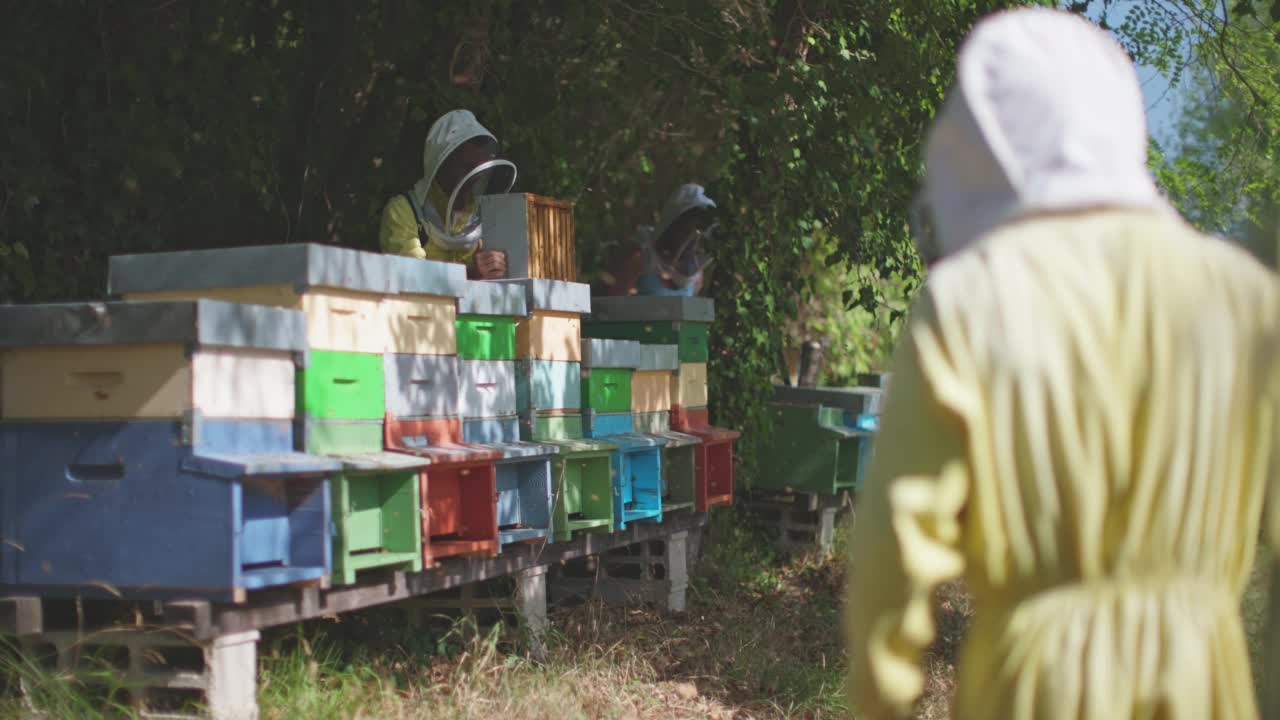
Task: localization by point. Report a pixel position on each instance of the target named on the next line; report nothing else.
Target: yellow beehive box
(689, 386)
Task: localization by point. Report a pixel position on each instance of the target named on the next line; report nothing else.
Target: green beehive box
(341, 386)
(486, 337)
(376, 515)
(811, 451)
(689, 337)
(607, 390)
(583, 488)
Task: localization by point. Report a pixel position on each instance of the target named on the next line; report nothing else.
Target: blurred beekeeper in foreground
(1081, 416)
(1271, 671)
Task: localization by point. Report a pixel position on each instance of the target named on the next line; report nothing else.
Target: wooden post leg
(231, 663)
(677, 565)
(531, 605)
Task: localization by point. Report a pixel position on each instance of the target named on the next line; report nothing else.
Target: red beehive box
(458, 490)
(713, 459)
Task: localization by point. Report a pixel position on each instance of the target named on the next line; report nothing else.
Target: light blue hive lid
(554, 295)
(301, 265)
(598, 353)
(488, 297)
(192, 322)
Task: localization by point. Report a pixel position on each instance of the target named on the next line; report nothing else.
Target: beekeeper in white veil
(1081, 416)
(439, 218)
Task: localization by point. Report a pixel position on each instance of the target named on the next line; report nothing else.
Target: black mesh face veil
(461, 229)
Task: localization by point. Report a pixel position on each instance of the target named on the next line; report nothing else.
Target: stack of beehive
(549, 400)
(487, 352)
(652, 392)
(296, 412)
(381, 372)
(683, 322)
(608, 367)
(147, 449)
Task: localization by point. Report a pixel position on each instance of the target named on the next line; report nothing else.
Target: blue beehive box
(637, 463)
(637, 481)
(146, 451)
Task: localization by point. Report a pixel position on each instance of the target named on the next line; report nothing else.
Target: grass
(761, 639)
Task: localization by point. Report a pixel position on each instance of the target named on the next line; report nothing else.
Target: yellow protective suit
(398, 232)
(1080, 423)
(1082, 412)
(1271, 685)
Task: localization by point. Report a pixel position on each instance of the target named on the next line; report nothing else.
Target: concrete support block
(164, 673)
(523, 593)
(801, 522)
(648, 573)
(531, 599)
(231, 667)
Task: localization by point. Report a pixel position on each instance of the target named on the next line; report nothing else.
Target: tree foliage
(165, 125)
(1221, 56)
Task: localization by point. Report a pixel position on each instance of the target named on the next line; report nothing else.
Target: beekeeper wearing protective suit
(669, 259)
(1082, 411)
(1271, 670)
(439, 219)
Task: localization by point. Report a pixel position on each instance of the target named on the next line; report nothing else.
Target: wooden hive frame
(552, 253)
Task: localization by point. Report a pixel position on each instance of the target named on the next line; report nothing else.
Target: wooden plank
(283, 607)
(244, 384)
(421, 385)
(412, 276)
(487, 388)
(553, 295)
(147, 381)
(599, 353)
(284, 296)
